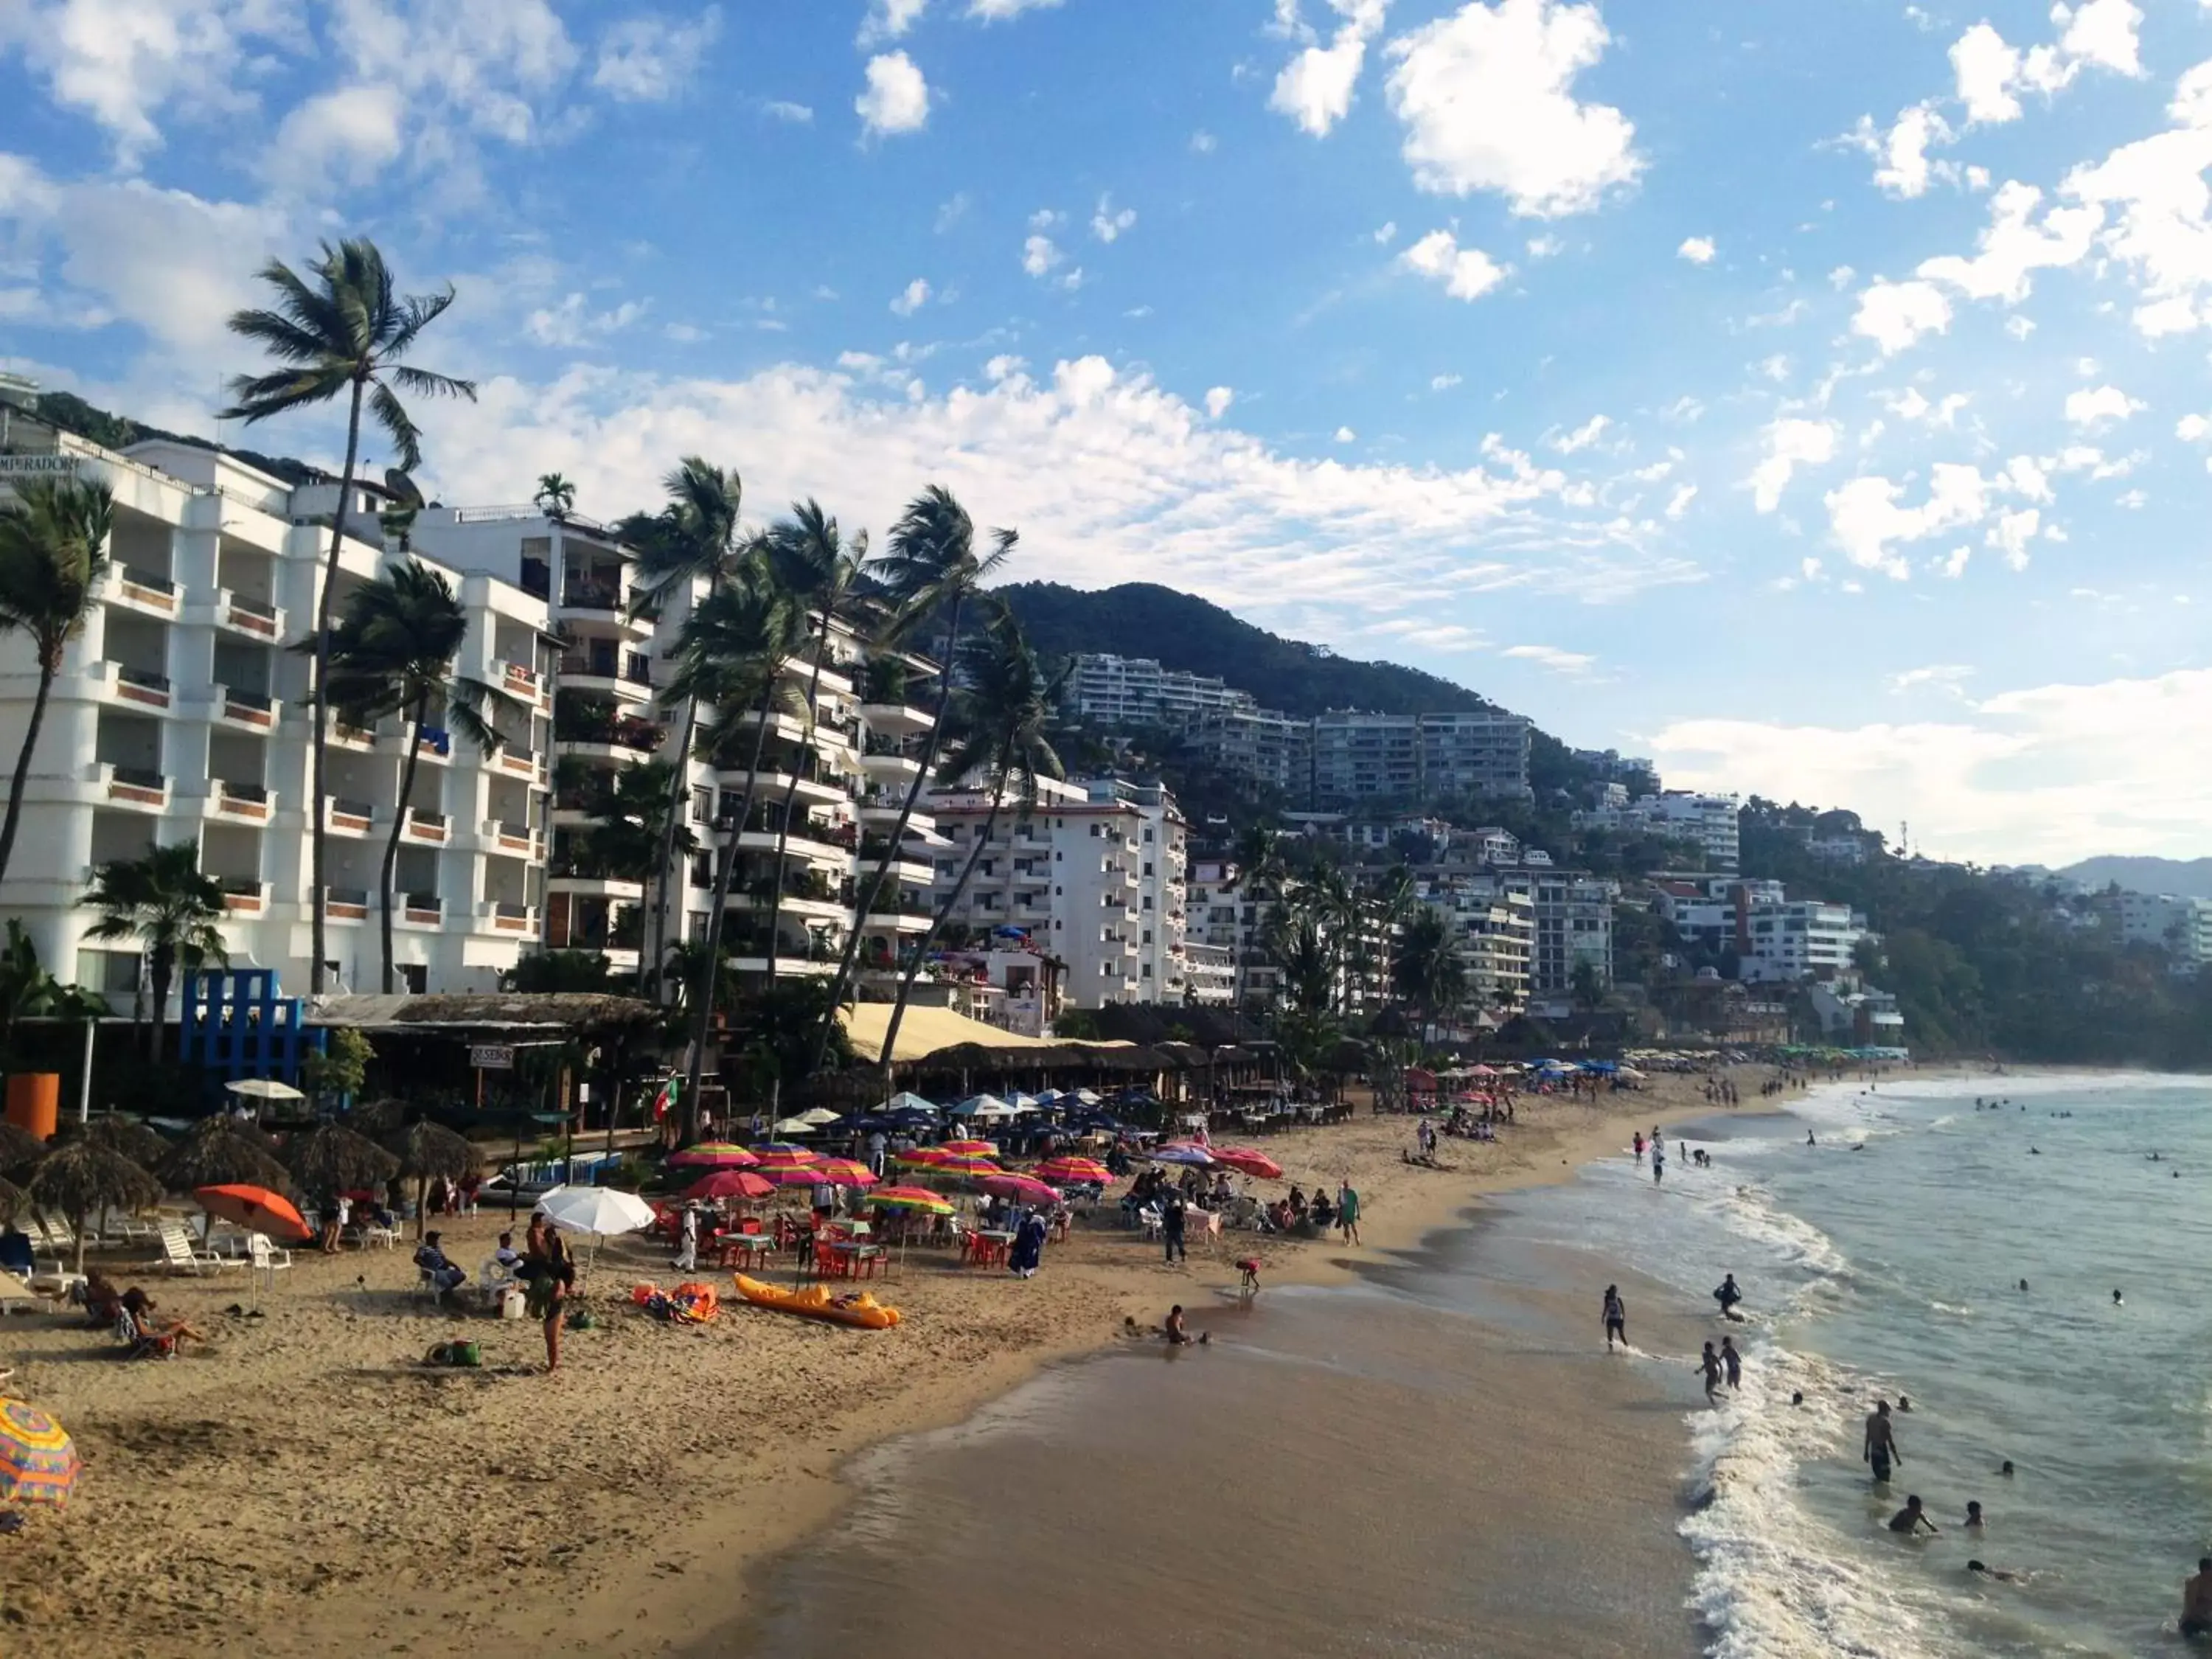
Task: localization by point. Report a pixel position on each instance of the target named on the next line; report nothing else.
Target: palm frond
(429, 384)
(414, 314)
(256, 397)
(392, 415)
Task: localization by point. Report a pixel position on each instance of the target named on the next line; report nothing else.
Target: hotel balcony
(421, 824)
(345, 904)
(524, 683)
(140, 788)
(240, 803)
(895, 720)
(234, 613)
(576, 881)
(624, 675)
(515, 840)
(360, 739)
(341, 817)
(421, 912)
(138, 688)
(244, 711)
(512, 761)
(137, 589)
(244, 895)
(498, 916)
(600, 606)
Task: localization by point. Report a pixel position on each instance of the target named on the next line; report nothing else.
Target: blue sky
(1811, 397)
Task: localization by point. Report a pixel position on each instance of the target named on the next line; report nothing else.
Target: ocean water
(1887, 1260)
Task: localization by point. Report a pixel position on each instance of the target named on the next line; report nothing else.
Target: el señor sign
(487, 1057)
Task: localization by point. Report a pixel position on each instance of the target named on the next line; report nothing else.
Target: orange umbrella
(256, 1209)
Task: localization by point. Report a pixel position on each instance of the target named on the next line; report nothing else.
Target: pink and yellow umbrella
(922, 1157)
(783, 1155)
(966, 1163)
(975, 1148)
(38, 1463)
(842, 1172)
(1074, 1172)
(1022, 1189)
(713, 1155)
(918, 1200)
(729, 1183)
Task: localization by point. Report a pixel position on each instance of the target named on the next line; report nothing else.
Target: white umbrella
(1022, 1102)
(595, 1210)
(983, 1106)
(795, 1125)
(907, 1101)
(1086, 1096)
(818, 1115)
(264, 1088)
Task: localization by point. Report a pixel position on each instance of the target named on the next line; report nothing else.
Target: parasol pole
(84, 1086)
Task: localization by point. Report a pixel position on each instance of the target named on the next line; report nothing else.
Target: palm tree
(731, 653)
(555, 496)
(53, 541)
(932, 567)
(695, 537)
(998, 723)
(628, 821)
(164, 900)
(1426, 970)
(344, 333)
(817, 574)
(392, 654)
(1259, 868)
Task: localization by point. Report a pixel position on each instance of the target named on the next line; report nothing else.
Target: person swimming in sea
(1973, 1521)
(1734, 1361)
(2196, 1601)
(2118, 1301)
(2005, 1468)
(1809, 1141)
(1727, 1294)
(1904, 1402)
(2006, 1575)
(1912, 1518)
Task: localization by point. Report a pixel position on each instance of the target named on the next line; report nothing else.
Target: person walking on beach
(1347, 1210)
(1734, 1361)
(687, 1249)
(1172, 1225)
(1638, 1144)
(550, 1271)
(1616, 1318)
(1880, 1450)
(1711, 1365)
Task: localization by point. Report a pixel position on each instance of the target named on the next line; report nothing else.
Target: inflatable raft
(819, 1302)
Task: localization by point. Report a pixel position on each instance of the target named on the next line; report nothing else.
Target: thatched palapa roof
(84, 1175)
(337, 1160)
(562, 1013)
(220, 1151)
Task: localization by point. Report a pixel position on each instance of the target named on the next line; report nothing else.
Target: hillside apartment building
(2181, 926)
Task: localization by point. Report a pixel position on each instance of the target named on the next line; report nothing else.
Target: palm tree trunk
(316, 851)
(46, 671)
(399, 823)
(710, 966)
(679, 798)
(867, 899)
(937, 922)
(163, 970)
(791, 792)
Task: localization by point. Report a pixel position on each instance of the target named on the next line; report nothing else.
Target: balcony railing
(138, 777)
(591, 596)
(141, 676)
(260, 608)
(643, 736)
(139, 576)
(257, 793)
(344, 808)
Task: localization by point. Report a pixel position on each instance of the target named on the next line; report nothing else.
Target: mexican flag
(664, 1102)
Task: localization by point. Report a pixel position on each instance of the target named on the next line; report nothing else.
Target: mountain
(2182, 877)
(72, 414)
(1184, 632)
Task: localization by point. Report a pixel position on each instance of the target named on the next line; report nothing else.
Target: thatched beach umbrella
(12, 1198)
(220, 1151)
(19, 1147)
(126, 1137)
(84, 1176)
(427, 1152)
(334, 1160)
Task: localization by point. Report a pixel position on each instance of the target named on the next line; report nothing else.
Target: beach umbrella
(38, 1463)
(983, 1106)
(781, 1154)
(12, 1198)
(973, 1148)
(1074, 1172)
(262, 1088)
(1086, 1096)
(729, 1183)
(219, 1151)
(597, 1210)
(19, 1147)
(788, 1176)
(1022, 1189)
(818, 1115)
(922, 1157)
(256, 1209)
(127, 1136)
(843, 1172)
(337, 1160)
(917, 1200)
(907, 1101)
(1196, 1156)
(83, 1177)
(713, 1155)
(1244, 1160)
(966, 1163)
(427, 1152)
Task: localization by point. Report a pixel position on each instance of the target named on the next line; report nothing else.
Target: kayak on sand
(819, 1302)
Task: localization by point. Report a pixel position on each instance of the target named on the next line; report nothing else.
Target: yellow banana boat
(819, 1302)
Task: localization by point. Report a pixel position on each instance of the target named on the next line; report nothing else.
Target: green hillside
(1182, 631)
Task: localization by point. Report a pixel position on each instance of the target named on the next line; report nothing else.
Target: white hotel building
(181, 714)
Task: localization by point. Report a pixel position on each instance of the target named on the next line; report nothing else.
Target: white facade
(1126, 691)
(181, 716)
(1492, 918)
(1359, 755)
(1709, 823)
(2180, 926)
(1094, 874)
(1800, 939)
(1574, 927)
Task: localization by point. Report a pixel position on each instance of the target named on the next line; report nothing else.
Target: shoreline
(627, 1505)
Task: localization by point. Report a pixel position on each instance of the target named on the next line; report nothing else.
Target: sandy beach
(306, 1486)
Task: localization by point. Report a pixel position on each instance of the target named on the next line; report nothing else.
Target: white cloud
(1345, 435)
(1568, 443)
(1545, 246)
(1203, 143)
(1109, 225)
(1386, 233)
(2012, 532)
(2100, 406)
(1902, 167)
(2154, 190)
(2013, 245)
(2049, 774)
(1866, 523)
(1467, 273)
(1913, 404)
(572, 323)
(347, 137)
(912, 298)
(1000, 11)
(1552, 657)
(782, 109)
(1315, 87)
(1944, 674)
(1895, 314)
(645, 59)
(1040, 254)
(1442, 382)
(898, 98)
(1791, 443)
(1486, 97)
(1698, 250)
(1989, 72)
(1985, 67)
(889, 20)
(2192, 428)
(1678, 503)
(1217, 399)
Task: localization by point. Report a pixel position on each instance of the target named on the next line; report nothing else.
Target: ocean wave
(1773, 1581)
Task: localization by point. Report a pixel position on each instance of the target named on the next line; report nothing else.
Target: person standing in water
(1734, 1361)
(1913, 1519)
(2196, 1601)
(1710, 1363)
(1616, 1318)
(1880, 1450)
(1658, 1161)
(1728, 1295)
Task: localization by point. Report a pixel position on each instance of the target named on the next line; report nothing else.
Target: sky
(1812, 397)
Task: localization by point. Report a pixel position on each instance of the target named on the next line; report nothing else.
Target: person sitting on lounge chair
(443, 1275)
(138, 1308)
(103, 1302)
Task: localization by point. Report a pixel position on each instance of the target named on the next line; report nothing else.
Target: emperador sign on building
(34, 466)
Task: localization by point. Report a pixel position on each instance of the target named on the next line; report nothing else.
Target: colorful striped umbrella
(917, 1199)
(1180, 1152)
(842, 1172)
(977, 1148)
(37, 1464)
(713, 1155)
(1074, 1172)
(966, 1163)
(789, 1175)
(1248, 1162)
(922, 1157)
(1019, 1187)
(729, 1183)
(783, 1155)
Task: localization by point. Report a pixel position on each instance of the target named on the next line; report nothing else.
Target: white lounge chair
(178, 1252)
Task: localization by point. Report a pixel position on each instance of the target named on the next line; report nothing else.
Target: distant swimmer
(1913, 1519)
(1734, 1361)
(1728, 1293)
(2118, 1301)
(1797, 1396)
(1658, 1163)
(1809, 1141)
(1880, 1450)
(2196, 1601)
(2155, 1157)
(2005, 1575)
(2023, 1284)
(2005, 1468)
(2035, 1151)
(1710, 1363)
(1616, 1318)
(1904, 1402)
(1974, 1515)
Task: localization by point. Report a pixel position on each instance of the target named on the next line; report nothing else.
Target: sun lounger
(14, 1290)
(178, 1252)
